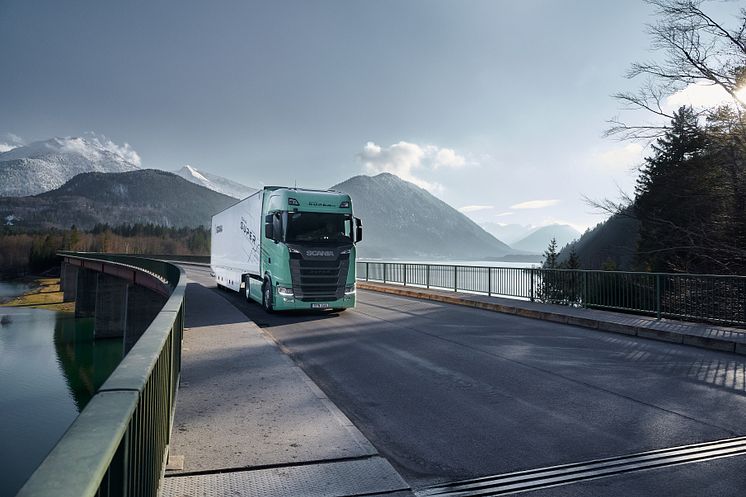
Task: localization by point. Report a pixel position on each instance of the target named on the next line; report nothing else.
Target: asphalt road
(447, 392)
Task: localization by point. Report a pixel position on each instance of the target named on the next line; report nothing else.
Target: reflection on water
(50, 368)
(12, 289)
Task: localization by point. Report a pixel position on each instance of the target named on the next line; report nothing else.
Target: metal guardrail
(695, 297)
(117, 445)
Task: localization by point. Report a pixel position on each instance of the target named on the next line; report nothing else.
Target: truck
(288, 248)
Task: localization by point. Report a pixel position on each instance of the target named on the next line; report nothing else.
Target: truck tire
(339, 309)
(267, 297)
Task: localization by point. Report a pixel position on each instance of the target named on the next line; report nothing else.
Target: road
(447, 393)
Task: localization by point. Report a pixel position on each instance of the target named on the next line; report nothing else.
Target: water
(461, 263)
(50, 368)
(9, 290)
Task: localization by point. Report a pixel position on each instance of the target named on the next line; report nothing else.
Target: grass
(45, 294)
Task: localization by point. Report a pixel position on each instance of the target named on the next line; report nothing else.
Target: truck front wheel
(267, 296)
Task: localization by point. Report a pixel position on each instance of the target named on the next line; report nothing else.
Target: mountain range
(141, 196)
(532, 239)
(90, 180)
(45, 165)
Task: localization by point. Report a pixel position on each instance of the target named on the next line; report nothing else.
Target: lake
(50, 367)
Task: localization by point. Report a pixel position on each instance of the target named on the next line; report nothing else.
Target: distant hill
(215, 182)
(44, 165)
(614, 240)
(404, 221)
(508, 233)
(142, 196)
(538, 241)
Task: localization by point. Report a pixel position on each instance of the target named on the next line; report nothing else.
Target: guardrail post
(657, 296)
(427, 276)
(367, 271)
(455, 278)
(585, 289)
(489, 281)
(531, 294)
(384, 273)
(405, 274)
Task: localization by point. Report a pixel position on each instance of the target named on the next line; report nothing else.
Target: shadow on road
(254, 311)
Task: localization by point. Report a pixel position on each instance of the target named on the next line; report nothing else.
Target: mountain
(44, 165)
(508, 233)
(142, 196)
(538, 241)
(214, 182)
(402, 220)
(612, 243)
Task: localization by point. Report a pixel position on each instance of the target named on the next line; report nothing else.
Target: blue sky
(495, 106)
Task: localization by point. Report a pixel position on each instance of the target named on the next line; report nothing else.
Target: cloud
(82, 146)
(701, 95)
(404, 159)
(621, 158)
(503, 214)
(535, 204)
(474, 208)
(10, 141)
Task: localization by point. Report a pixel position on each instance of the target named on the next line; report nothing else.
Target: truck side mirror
(358, 230)
(269, 232)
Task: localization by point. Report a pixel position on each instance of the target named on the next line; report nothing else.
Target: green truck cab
(288, 248)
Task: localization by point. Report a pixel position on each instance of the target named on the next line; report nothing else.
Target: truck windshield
(318, 227)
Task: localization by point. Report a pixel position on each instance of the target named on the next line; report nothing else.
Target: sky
(497, 107)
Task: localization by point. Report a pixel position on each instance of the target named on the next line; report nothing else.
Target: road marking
(524, 481)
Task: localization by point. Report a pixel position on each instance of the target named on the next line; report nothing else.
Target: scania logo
(319, 253)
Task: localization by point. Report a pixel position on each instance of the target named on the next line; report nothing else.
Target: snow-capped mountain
(214, 182)
(45, 165)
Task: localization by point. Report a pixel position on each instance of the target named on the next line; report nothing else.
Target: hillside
(538, 241)
(215, 182)
(614, 240)
(44, 165)
(402, 220)
(142, 196)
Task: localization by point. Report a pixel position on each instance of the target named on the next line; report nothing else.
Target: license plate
(319, 306)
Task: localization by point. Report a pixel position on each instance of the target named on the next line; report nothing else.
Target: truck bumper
(290, 303)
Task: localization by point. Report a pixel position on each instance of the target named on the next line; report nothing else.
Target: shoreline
(43, 293)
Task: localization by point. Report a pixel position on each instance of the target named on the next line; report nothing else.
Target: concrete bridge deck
(249, 422)
(443, 393)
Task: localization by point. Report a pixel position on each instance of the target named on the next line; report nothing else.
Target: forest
(688, 211)
(34, 251)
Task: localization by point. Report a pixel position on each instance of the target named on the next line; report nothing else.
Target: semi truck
(288, 248)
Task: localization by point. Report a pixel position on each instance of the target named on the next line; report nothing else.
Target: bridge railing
(117, 445)
(696, 297)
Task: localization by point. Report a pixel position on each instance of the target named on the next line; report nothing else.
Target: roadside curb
(704, 336)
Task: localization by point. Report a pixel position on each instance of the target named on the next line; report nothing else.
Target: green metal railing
(117, 445)
(695, 297)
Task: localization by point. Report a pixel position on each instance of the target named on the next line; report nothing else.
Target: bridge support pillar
(111, 307)
(142, 307)
(69, 282)
(85, 293)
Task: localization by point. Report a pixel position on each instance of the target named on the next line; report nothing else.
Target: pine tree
(550, 255)
(672, 200)
(573, 261)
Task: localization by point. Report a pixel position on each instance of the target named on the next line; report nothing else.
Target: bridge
(420, 390)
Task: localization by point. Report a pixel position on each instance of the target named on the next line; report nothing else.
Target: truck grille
(319, 280)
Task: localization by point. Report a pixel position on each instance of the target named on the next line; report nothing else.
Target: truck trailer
(288, 248)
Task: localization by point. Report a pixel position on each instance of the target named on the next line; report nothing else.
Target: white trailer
(236, 242)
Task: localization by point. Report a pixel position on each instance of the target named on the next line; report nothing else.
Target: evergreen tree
(573, 261)
(673, 197)
(550, 255)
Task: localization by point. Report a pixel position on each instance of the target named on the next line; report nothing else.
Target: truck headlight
(350, 289)
(284, 291)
